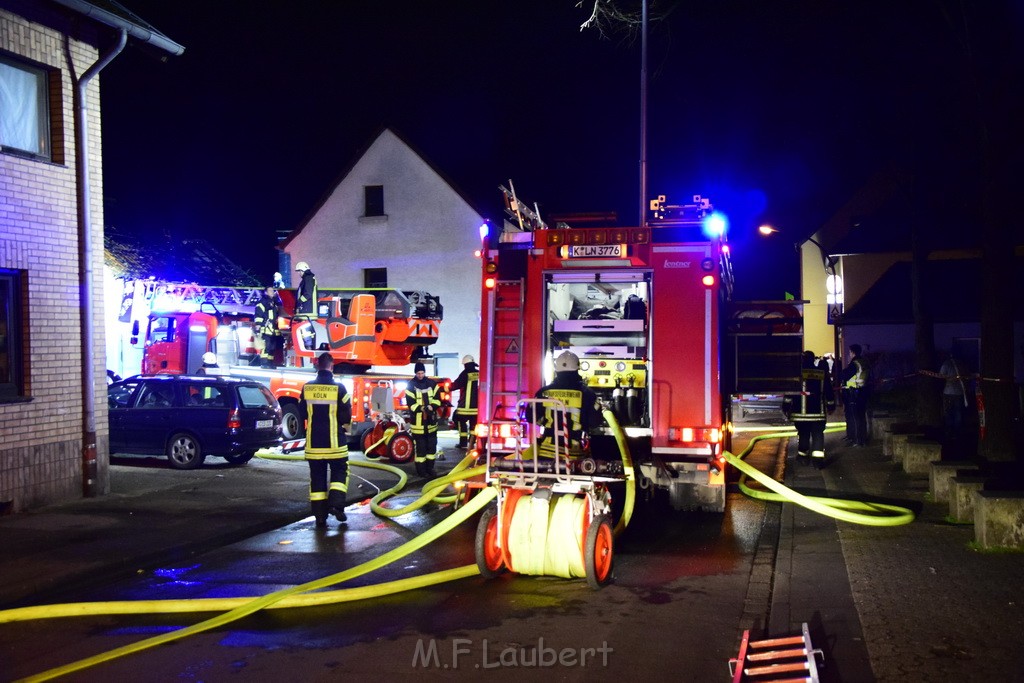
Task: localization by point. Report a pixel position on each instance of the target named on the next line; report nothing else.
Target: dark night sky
(777, 111)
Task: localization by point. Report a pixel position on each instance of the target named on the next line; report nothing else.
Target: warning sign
(835, 313)
(513, 347)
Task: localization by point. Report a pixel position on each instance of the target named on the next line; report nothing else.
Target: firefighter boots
(319, 512)
(337, 506)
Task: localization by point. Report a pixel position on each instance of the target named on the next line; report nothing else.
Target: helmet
(210, 358)
(467, 359)
(301, 265)
(567, 362)
(419, 367)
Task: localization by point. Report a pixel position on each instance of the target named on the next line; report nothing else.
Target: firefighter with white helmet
(581, 407)
(305, 296)
(466, 407)
(209, 366)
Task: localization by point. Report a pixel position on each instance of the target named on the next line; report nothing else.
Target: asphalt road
(681, 585)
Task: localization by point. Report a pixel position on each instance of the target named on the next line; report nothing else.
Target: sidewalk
(916, 600)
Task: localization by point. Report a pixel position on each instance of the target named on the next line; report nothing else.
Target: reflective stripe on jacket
(328, 412)
(859, 379)
(424, 403)
(466, 383)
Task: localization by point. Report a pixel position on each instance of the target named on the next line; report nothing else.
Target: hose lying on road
(250, 606)
(869, 513)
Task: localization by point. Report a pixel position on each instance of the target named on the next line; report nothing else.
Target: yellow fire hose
(870, 514)
(247, 606)
(298, 596)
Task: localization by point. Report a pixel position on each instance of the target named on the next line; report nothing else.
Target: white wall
(426, 241)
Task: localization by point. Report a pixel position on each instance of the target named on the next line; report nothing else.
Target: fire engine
(645, 310)
(360, 328)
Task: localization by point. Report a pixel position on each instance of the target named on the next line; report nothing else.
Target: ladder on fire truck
(776, 660)
(505, 346)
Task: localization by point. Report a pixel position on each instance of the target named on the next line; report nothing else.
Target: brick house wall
(41, 439)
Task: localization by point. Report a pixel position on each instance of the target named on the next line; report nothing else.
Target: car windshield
(252, 397)
(119, 395)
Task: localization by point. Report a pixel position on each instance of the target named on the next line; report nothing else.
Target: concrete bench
(878, 425)
(961, 496)
(999, 519)
(941, 473)
(899, 446)
(894, 433)
(919, 454)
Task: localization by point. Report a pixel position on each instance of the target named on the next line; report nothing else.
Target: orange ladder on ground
(764, 661)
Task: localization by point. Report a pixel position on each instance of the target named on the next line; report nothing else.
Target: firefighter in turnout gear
(581, 409)
(328, 411)
(423, 400)
(268, 310)
(465, 410)
(808, 410)
(305, 295)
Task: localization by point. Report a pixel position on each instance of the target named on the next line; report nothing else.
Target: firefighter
(581, 408)
(305, 296)
(209, 366)
(855, 386)
(268, 310)
(328, 411)
(808, 410)
(465, 410)
(424, 401)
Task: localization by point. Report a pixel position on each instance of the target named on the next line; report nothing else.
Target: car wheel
(240, 458)
(292, 424)
(184, 452)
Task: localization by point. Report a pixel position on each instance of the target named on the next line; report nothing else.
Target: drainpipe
(90, 483)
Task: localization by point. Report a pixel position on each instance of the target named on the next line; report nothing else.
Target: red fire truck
(360, 328)
(643, 309)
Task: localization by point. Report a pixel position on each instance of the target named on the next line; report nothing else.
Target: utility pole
(643, 116)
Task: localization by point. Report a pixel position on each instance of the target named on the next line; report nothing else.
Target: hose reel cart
(552, 515)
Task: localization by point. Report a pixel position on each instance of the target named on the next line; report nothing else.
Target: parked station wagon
(187, 418)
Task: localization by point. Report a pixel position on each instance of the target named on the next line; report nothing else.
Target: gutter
(90, 479)
(146, 35)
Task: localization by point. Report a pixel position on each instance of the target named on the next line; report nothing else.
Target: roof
(115, 15)
(173, 260)
(348, 169)
(953, 293)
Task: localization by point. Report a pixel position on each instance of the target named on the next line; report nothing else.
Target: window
(11, 384)
(119, 397)
(373, 200)
(24, 109)
(156, 396)
(375, 277)
(161, 330)
(255, 397)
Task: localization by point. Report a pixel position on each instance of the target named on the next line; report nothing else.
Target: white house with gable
(394, 221)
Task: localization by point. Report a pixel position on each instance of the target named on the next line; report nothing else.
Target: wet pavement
(907, 603)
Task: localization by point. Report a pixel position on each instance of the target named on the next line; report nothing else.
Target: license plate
(597, 250)
(264, 424)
